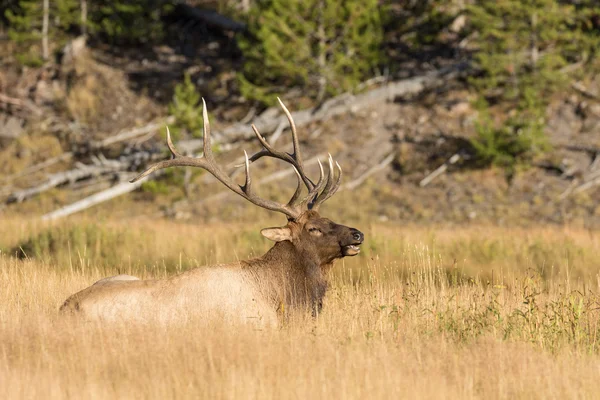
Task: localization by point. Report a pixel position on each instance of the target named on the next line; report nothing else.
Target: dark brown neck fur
(290, 276)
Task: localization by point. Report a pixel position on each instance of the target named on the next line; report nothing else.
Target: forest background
(498, 99)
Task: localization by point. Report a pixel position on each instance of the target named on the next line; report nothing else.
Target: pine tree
(323, 47)
(522, 45)
(26, 27)
(128, 22)
(522, 48)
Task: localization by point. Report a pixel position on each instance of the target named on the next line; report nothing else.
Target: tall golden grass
(422, 313)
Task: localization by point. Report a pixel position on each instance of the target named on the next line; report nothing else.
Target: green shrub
(186, 107)
(172, 180)
(514, 141)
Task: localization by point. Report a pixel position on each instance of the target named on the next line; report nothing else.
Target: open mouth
(351, 250)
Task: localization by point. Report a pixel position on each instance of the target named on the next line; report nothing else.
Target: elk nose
(357, 235)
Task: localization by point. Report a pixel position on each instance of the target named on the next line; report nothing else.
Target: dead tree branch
(133, 133)
(61, 178)
(100, 167)
(439, 170)
(591, 179)
(578, 86)
(23, 104)
(119, 137)
(353, 184)
(100, 197)
(38, 167)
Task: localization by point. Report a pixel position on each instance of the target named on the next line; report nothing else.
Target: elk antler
(331, 186)
(295, 158)
(317, 193)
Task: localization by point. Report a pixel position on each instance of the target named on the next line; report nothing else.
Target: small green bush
(172, 180)
(186, 107)
(510, 143)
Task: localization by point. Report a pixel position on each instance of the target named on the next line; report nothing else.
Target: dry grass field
(475, 312)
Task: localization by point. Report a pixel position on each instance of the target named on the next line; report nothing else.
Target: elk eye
(315, 231)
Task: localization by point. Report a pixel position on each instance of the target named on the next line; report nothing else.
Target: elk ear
(277, 234)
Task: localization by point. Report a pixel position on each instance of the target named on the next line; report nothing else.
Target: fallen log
(591, 179)
(83, 172)
(100, 197)
(578, 86)
(132, 133)
(439, 170)
(38, 167)
(101, 167)
(19, 103)
(54, 180)
(345, 103)
(353, 184)
(126, 187)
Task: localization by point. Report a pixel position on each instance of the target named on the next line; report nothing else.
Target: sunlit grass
(427, 313)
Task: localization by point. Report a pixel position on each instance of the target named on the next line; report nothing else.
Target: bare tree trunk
(45, 22)
(534, 44)
(321, 57)
(245, 6)
(84, 11)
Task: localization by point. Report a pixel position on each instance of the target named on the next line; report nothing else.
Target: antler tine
(295, 158)
(298, 189)
(338, 181)
(269, 151)
(331, 186)
(207, 162)
(247, 185)
(330, 176)
(206, 142)
(267, 147)
(297, 154)
(177, 160)
(308, 200)
(170, 145)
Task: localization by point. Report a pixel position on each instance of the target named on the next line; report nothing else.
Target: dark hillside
(430, 122)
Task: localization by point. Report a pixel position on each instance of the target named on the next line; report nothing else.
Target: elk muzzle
(351, 246)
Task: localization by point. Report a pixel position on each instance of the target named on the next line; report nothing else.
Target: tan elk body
(291, 275)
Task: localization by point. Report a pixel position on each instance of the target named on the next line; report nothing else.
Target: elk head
(306, 230)
(319, 237)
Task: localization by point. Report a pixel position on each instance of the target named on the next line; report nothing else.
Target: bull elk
(293, 274)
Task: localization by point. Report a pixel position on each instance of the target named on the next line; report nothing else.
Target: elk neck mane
(290, 275)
